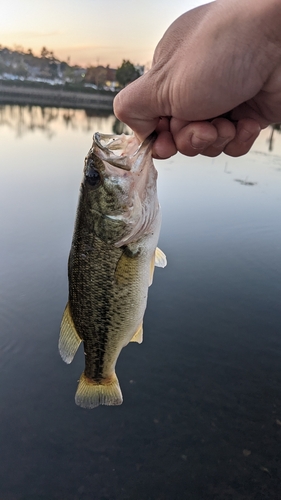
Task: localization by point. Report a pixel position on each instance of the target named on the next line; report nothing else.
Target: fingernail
(245, 135)
(198, 143)
(221, 142)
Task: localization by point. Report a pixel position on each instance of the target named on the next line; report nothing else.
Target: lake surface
(201, 417)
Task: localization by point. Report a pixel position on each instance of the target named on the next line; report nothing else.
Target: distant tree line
(23, 64)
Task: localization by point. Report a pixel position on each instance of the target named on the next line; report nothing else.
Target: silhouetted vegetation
(127, 73)
(21, 64)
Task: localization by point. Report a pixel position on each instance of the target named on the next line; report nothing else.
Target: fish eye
(92, 175)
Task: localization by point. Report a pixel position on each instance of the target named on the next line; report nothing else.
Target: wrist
(257, 25)
(262, 16)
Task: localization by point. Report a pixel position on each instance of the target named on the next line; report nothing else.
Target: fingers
(189, 138)
(206, 138)
(226, 132)
(192, 138)
(247, 130)
(164, 146)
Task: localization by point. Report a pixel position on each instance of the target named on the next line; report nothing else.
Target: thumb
(136, 106)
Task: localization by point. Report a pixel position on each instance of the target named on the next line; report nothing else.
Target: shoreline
(55, 98)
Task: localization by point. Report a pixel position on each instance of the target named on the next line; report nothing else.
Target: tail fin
(90, 394)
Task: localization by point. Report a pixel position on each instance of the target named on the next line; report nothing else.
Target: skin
(110, 267)
(215, 81)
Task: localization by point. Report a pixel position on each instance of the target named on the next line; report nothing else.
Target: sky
(90, 32)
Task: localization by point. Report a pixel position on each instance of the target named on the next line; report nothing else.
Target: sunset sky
(90, 31)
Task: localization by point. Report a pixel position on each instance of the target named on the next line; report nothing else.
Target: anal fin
(69, 340)
(138, 336)
(90, 394)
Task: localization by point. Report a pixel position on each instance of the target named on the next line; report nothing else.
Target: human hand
(215, 81)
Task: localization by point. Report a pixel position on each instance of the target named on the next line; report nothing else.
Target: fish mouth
(123, 150)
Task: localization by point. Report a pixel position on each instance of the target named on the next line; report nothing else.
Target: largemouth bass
(111, 262)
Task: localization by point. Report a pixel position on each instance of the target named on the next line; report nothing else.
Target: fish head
(119, 188)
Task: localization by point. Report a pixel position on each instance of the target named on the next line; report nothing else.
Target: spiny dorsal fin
(160, 258)
(138, 336)
(90, 394)
(69, 340)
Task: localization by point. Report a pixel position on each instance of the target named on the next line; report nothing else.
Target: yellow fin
(152, 266)
(138, 337)
(160, 258)
(69, 340)
(90, 394)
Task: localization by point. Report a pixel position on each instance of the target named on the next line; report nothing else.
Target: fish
(111, 261)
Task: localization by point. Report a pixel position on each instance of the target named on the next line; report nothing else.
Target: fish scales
(111, 264)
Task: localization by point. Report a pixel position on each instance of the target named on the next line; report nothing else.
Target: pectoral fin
(160, 258)
(69, 340)
(152, 266)
(127, 265)
(138, 337)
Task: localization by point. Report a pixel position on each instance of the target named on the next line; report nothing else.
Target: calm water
(201, 417)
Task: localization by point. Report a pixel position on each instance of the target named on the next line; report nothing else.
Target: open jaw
(120, 150)
(122, 145)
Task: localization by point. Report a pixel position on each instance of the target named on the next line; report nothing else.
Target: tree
(44, 52)
(127, 73)
(96, 75)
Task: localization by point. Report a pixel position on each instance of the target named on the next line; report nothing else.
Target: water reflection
(49, 120)
(26, 119)
(204, 387)
(245, 182)
(273, 128)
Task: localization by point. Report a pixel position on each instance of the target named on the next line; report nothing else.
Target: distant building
(101, 76)
(111, 78)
